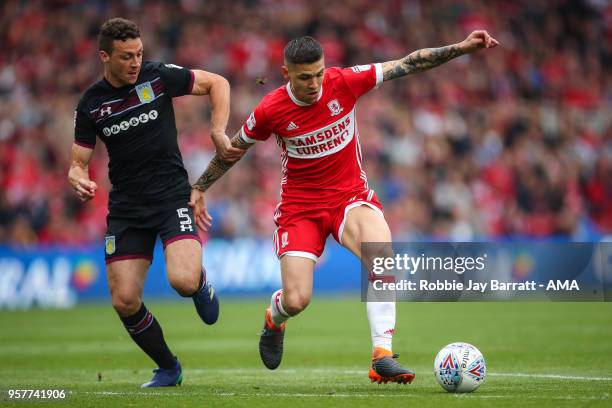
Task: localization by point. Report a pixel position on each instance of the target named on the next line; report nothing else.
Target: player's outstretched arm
(427, 58)
(78, 175)
(219, 166)
(217, 87)
(216, 168)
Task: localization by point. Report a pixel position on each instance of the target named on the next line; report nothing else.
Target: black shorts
(132, 234)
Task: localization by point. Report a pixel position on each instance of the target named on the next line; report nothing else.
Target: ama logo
(450, 373)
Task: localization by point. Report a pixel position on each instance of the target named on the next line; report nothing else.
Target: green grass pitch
(538, 354)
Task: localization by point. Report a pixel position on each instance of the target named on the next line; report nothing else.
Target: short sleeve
(256, 128)
(84, 129)
(178, 81)
(362, 78)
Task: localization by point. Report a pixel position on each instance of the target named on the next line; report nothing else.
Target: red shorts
(302, 230)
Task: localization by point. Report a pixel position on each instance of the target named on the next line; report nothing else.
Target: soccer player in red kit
(324, 189)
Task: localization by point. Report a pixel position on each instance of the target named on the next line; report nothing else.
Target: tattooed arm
(216, 168)
(427, 58)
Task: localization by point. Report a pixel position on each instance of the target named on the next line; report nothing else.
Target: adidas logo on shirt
(292, 126)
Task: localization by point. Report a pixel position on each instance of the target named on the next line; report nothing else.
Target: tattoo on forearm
(419, 61)
(218, 167)
(239, 143)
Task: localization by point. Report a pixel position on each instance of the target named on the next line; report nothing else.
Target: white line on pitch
(552, 376)
(363, 372)
(330, 395)
(355, 371)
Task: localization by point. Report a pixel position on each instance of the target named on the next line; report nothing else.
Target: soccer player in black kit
(130, 110)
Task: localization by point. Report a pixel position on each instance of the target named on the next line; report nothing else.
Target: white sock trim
(279, 315)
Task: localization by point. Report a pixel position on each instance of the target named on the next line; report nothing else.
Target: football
(460, 367)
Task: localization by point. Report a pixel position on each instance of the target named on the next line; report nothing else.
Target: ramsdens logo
(323, 142)
(131, 122)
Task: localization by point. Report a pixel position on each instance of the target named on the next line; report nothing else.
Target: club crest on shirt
(109, 244)
(145, 92)
(334, 107)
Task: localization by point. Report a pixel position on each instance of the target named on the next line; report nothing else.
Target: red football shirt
(321, 155)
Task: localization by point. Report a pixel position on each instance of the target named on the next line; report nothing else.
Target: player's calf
(294, 302)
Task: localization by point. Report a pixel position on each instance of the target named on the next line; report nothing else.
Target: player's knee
(373, 252)
(185, 285)
(126, 305)
(294, 303)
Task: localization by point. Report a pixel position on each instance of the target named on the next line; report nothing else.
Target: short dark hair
(116, 29)
(303, 50)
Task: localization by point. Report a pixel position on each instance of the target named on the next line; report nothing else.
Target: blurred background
(509, 143)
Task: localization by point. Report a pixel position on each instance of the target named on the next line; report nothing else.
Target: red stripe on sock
(142, 326)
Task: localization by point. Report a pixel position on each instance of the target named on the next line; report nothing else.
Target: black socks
(147, 333)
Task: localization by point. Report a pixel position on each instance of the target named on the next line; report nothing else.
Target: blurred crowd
(510, 142)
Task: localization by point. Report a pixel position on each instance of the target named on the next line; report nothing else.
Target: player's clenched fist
(478, 39)
(224, 147)
(85, 189)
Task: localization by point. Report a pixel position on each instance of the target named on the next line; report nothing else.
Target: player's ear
(285, 72)
(104, 56)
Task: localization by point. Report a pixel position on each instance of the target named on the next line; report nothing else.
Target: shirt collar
(297, 101)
